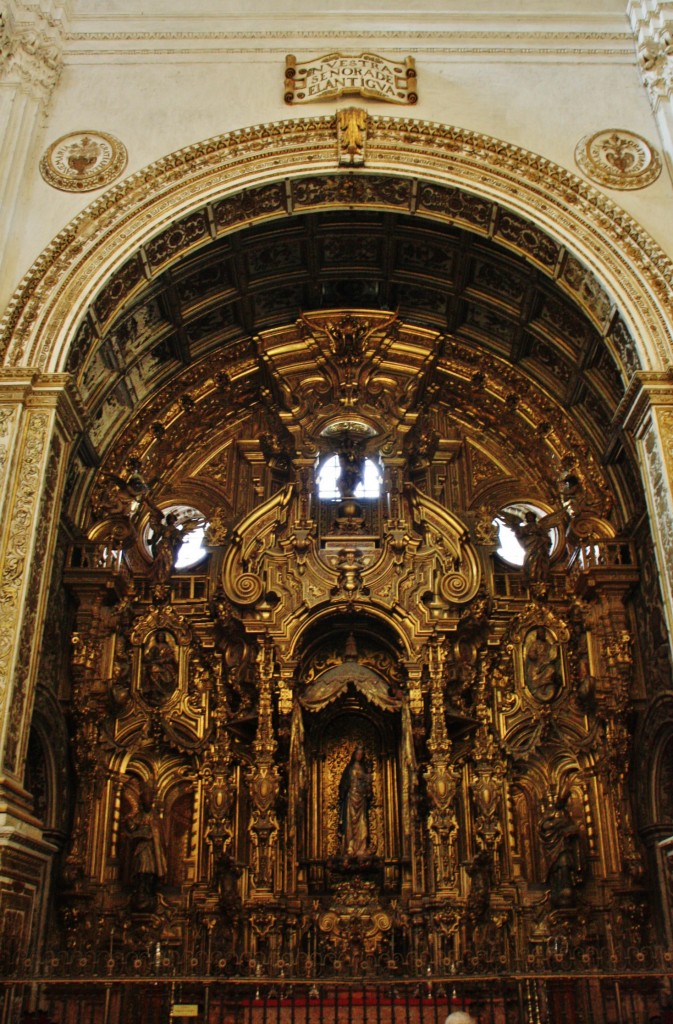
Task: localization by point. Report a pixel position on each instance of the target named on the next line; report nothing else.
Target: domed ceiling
(523, 345)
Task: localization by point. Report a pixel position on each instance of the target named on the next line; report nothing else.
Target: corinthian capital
(31, 50)
(652, 24)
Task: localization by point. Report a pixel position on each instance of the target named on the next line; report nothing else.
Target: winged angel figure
(532, 532)
(168, 533)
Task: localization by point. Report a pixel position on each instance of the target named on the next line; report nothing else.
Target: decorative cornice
(449, 44)
(645, 391)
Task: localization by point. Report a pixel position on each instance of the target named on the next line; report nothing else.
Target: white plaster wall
(536, 73)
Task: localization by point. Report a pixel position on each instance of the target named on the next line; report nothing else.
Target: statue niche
(356, 792)
(155, 848)
(144, 864)
(344, 777)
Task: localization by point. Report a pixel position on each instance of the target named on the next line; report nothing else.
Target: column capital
(31, 48)
(647, 390)
(32, 389)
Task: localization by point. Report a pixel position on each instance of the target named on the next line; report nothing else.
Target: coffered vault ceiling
(504, 298)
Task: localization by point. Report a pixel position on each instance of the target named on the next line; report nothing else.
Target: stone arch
(500, 192)
(156, 203)
(253, 170)
(51, 732)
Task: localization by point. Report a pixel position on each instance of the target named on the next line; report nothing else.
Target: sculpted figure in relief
(542, 665)
(160, 668)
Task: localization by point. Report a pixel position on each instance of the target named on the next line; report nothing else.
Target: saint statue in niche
(542, 665)
(148, 856)
(560, 836)
(355, 799)
(160, 668)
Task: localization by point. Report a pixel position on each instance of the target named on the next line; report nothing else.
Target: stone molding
(40, 321)
(645, 391)
(440, 44)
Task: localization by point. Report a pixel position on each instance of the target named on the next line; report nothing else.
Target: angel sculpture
(532, 532)
(166, 539)
(123, 495)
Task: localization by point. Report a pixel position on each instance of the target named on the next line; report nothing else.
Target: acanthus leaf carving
(31, 52)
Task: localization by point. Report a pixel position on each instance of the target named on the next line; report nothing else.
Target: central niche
(346, 747)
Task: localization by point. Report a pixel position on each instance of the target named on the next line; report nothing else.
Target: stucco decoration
(336, 75)
(618, 159)
(83, 161)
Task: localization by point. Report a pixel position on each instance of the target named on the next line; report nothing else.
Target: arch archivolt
(252, 164)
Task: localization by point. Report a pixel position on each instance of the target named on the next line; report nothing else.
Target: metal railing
(153, 986)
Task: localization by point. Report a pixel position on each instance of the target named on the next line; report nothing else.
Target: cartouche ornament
(83, 161)
(618, 159)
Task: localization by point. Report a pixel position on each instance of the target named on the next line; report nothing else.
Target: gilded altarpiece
(355, 729)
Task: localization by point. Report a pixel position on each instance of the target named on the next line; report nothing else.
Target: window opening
(328, 489)
(192, 524)
(510, 549)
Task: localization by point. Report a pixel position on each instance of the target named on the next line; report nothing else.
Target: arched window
(192, 524)
(328, 476)
(510, 549)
